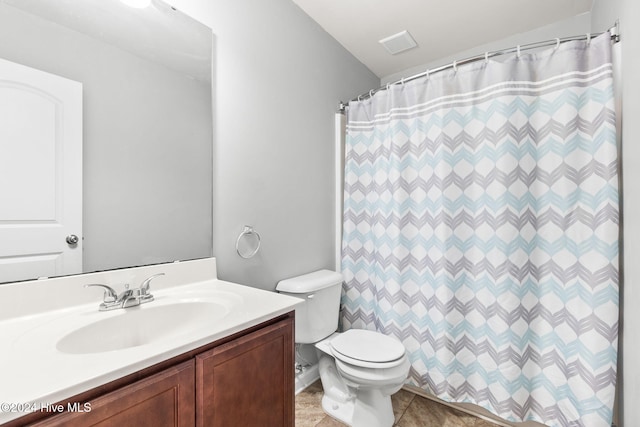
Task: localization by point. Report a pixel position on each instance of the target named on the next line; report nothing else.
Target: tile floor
(409, 409)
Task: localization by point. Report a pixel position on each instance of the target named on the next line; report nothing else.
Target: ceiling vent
(398, 42)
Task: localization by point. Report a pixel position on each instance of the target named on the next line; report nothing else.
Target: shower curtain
(481, 229)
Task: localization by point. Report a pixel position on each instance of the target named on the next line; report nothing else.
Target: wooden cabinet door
(248, 381)
(164, 399)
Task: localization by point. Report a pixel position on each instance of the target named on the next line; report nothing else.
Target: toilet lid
(369, 346)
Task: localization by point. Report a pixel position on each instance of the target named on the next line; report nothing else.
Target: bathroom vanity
(205, 352)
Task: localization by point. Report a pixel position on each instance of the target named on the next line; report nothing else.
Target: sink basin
(141, 325)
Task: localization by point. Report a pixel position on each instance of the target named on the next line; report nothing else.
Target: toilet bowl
(359, 369)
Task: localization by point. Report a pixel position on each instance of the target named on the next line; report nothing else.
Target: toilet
(359, 369)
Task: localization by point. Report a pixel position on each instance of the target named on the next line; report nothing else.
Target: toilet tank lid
(310, 282)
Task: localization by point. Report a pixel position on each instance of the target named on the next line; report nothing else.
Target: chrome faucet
(144, 287)
(128, 298)
(110, 298)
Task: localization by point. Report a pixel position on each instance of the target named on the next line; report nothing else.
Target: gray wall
(279, 79)
(147, 162)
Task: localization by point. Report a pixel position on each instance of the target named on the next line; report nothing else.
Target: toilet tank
(317, 318)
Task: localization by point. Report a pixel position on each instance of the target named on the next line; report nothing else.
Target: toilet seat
(367, 349)
(358, 376)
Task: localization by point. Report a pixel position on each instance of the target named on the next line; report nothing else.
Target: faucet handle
(110, 295)
(144, 287)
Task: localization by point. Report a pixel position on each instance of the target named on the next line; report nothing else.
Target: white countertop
(34, 371)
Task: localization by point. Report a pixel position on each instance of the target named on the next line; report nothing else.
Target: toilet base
(356, 407)
(370, 409)
(341, 411)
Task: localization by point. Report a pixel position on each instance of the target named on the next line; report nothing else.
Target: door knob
(72, 239)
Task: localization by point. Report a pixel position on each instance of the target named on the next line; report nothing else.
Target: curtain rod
(615, 37)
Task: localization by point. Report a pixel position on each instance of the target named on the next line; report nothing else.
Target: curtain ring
(518, 51)
(371, 93)
(588, 39)
(402, 81)
(426, 73)
(557, 42)
(486, 57)
(388, 86)
(455, 66)
(359, 97)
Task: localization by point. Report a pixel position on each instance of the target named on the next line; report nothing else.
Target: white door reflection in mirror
(40, 173)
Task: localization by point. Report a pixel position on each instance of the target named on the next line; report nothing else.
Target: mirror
(147, 150)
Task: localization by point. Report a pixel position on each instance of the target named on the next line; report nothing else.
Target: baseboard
(306, 377)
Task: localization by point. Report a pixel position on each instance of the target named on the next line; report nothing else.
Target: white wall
(279, 78)
(604, 14)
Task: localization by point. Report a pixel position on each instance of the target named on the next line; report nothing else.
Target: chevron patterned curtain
(481, 229)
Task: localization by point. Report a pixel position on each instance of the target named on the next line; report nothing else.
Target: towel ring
(248, 242)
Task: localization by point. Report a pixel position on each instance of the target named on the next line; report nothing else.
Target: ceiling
(440, 27)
